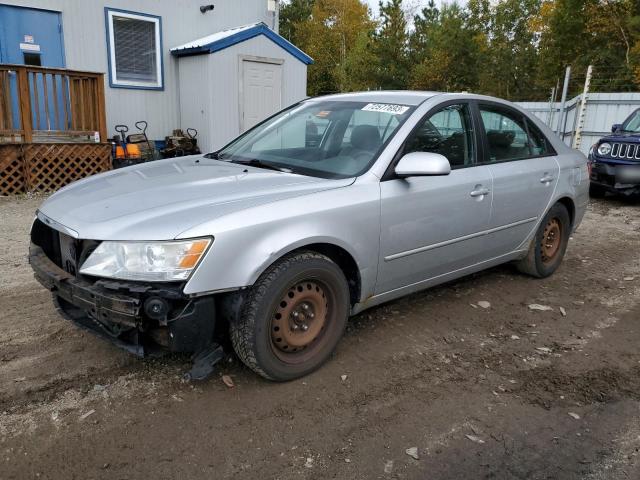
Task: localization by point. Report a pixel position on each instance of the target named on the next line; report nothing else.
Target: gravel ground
(470, 392)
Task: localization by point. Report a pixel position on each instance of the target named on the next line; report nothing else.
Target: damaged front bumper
(141, 318)
(608, 176)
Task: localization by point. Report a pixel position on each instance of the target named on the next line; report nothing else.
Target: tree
(613, 26)
(424, 24)
(359, 65)
(479, 22)
(514, 56)
(603, 33)
(563, 38)
(391, 47)
(509, 48)
(292, 14)
(328, 36)
(634, 30)
(450, 55)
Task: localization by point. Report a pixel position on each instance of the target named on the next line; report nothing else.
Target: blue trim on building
(106, 25)
(234, 39)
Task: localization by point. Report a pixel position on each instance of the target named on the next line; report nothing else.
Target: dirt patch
(479, 392)
(550, 386)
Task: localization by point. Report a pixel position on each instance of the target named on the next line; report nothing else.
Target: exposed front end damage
(143, 318)
(606, 175)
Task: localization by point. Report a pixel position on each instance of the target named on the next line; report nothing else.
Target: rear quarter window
(540, 145)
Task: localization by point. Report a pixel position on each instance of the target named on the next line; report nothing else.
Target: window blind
(135, 49)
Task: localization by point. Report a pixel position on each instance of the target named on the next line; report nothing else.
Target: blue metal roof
(227, 38)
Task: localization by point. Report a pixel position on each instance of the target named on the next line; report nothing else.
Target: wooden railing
(40, 104)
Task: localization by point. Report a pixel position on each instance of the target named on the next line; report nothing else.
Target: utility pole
(577, 138)
(563, 101)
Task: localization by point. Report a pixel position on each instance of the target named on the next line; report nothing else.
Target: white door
(261, 92)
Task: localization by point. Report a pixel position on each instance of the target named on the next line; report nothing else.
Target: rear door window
(510, 136)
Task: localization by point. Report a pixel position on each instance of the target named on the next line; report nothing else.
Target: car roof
(403, 97)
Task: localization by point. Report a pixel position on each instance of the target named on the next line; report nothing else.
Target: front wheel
(549, 245)
(293, 317)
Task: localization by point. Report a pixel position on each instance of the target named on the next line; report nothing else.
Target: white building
(217, 67)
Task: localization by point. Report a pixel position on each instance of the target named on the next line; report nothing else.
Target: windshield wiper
(254, 162)
(214, 155)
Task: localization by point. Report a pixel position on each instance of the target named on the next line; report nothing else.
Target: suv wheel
(549, 245)
(293, 317)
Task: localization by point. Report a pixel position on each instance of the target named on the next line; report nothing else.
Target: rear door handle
(547, 178)
(479, 192)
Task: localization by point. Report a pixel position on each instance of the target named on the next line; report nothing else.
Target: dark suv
(615, 159)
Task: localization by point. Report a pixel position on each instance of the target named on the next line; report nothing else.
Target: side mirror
(416, 164)
(615, 127)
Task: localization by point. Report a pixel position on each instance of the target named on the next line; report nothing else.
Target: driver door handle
(479, 192)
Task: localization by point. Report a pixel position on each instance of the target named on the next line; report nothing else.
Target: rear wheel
(549, 245)
(293, 317)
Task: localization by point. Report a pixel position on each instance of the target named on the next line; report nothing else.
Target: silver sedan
(331, 206)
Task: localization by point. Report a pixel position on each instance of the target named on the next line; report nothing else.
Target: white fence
(603, 110)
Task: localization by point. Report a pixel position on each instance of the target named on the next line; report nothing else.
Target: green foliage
(328, 34)
(356, 74)
(292, 14)
(446, 54)
(512, 50)
(390, 47)
(564, 39)
(515, 49)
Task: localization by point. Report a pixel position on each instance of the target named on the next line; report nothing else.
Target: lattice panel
(49, 167)
(11, 170)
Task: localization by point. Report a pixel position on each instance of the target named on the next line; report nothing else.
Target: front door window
(448, 132)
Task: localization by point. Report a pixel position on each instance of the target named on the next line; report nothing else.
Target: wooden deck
(52, 127)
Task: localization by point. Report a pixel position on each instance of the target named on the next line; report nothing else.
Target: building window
(135, 49)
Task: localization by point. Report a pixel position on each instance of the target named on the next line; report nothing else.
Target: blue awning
(227, 38)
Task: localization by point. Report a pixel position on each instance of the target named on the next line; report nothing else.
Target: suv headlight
(150, 261)
(604, 149)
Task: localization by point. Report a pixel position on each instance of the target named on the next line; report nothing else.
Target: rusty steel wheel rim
(299, 319)
(551, 240)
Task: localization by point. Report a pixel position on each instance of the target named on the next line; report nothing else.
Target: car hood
(159, 200)
(622, 137)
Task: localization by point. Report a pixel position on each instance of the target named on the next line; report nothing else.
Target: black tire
(311, 277)
(597, 191)
(537, 262)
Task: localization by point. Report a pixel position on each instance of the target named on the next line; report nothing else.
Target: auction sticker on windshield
(385, 108)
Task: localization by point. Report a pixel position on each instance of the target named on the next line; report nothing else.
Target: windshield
(328, 139)
(632, 124)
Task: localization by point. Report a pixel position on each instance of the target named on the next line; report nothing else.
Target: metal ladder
(577, 138)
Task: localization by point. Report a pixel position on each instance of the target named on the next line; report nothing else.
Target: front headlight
(150, 261)
(604, 149)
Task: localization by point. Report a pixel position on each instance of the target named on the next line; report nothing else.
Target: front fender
(304, 242)
(247, 243)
